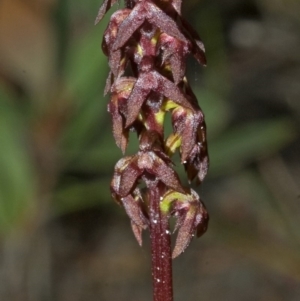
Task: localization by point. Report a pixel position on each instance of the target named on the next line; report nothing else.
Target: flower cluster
(147, 44)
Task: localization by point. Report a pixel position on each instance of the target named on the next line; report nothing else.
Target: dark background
(62, 237)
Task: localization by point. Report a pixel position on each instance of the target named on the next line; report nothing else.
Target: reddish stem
(160, 249)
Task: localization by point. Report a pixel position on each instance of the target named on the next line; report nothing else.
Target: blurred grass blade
(248, 143)
(85, 76)
(17, 180)
(86, 70)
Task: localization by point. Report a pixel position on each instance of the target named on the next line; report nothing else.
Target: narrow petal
(108, 83)
(136, 99)
(120, 92)
(190, 213)
(198, 46)
(192, 217)
(185, 234)
(177, 62)
(134, 20)
(117, 122)
(201, 159)
(154, 120)
(134, 210)
(198, 163)
(174, 51)
(115, 56)
(168, 199)
(182, 120)
(193, 33)
(137, 231)
(171, 91)
(201, 220)
(203, 167)
(158, 18)
(193, 122)
(107, 4)
(114, 62)
(177, 5)
(116, 180)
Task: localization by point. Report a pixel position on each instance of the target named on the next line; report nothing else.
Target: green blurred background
(62, 237)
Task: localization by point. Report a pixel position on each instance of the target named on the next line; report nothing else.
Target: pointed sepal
(107, 4)
(146, 10)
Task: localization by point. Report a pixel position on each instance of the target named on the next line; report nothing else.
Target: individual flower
(191, 215)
